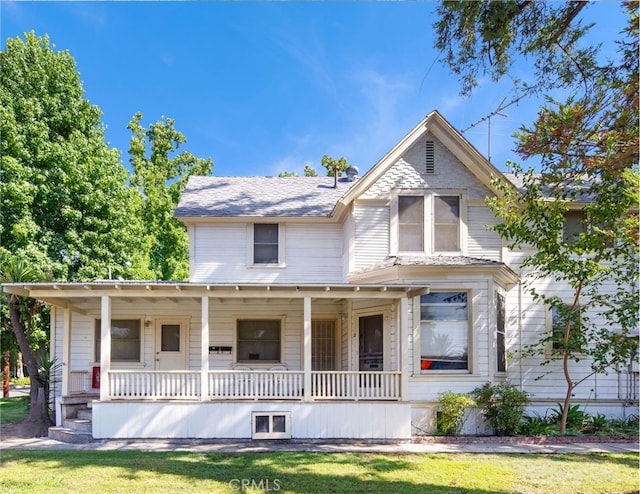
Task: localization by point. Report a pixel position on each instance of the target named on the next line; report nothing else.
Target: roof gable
(448, 136)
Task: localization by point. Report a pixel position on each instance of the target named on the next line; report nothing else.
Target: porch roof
(61, 294)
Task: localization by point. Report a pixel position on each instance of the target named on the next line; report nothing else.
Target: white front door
(171, 344)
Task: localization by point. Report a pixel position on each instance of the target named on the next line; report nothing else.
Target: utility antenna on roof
(498, 112)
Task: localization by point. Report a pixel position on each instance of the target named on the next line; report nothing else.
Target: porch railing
(254, 385)
(154, 385)
(365, 385)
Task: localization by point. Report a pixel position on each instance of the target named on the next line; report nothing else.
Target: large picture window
(258, 340)
(444, 331)
(125, 340)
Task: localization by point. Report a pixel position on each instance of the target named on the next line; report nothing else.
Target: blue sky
(263, 87)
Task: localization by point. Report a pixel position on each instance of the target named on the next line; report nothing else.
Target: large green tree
(586, 140)
(66, 210)
(160, 174)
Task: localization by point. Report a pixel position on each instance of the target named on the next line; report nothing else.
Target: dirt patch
(19, 430)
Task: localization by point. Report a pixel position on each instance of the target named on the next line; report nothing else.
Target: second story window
(411, 223)
(265, 243)
(428, 224)
(446, 223)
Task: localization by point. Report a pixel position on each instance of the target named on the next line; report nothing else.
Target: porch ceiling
(69, 294)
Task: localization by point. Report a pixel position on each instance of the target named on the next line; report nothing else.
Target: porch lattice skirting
(256, 385)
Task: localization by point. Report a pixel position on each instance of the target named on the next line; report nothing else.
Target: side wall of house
(221, 253)
(610, 392)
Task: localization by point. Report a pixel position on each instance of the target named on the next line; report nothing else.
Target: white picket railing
(254, 385)
(363, 385)
(154, 385)
(275, 385)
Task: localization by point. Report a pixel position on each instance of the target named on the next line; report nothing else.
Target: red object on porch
(95, 377)
(425, 364)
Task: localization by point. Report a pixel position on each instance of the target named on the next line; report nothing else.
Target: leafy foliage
(64, 197)
(160, 175)
(502, 406)
(450, 411)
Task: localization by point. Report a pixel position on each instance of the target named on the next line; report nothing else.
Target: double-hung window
(444, 331)
(266, 244)
(429, 223)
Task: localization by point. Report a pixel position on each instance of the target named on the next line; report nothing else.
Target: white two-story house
(316, 308)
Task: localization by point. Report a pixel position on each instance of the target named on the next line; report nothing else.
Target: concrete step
(79, 425)
(85, 413)
(72, 436)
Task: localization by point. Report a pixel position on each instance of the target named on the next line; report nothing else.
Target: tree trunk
(38, 419)
(19, 366)
(5, 374)
(567, 397)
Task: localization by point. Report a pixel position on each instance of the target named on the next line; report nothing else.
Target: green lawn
(288, 472)
(13, 409)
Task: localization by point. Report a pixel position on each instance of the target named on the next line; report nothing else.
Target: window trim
(96, 343)
(429, 218)
(258, 363)
(281, 246)
(471, 342)
(271, 435)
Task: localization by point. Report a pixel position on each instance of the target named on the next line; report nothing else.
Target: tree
(334, 166)
(65, 201)
(160, 179)
(27, 321)
(67, 213)
(587, 145)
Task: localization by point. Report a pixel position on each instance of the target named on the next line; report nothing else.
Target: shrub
(450, 411)
(502, 406)
(575, 417)
(536, 426)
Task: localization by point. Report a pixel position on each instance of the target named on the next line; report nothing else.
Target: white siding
(371, 243)
(312, 253)
(481, 242)
(121, 420)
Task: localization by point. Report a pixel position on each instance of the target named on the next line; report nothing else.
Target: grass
(291, 472)
(14, 409)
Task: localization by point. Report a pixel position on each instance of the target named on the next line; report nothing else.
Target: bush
(450, 411)
(502, 406)
(575, 417)
(536, 426)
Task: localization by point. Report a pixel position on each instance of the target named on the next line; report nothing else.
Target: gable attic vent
(430, 162)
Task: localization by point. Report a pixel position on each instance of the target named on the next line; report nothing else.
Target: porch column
(66, 351)
(307, 349)
(105, 346)
(403, 358)
(204, 350)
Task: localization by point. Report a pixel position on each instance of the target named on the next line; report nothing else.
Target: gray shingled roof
(260, 196)
(463, 261)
